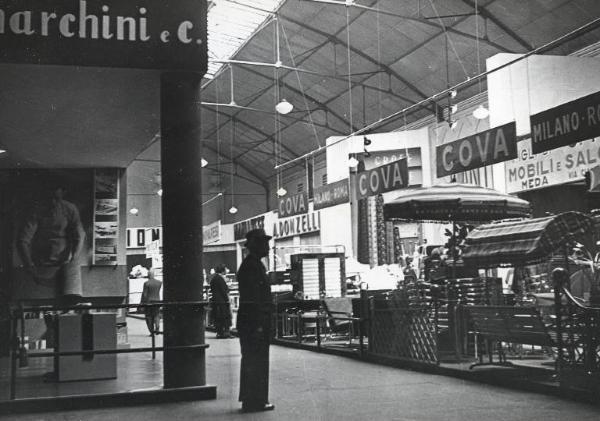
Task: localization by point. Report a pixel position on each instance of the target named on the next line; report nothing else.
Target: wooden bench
(522, 325)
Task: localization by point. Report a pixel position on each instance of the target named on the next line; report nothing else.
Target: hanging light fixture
(284, 107)
(134, 211)
(481, 112)
(203, 162)
(232, 210)
(281, 192)
(352, 162)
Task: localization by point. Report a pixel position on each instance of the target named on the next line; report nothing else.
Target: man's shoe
(258, 408)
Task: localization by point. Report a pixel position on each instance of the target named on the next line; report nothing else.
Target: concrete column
(182, 226)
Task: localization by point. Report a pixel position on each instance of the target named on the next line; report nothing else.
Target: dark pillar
(182, 226)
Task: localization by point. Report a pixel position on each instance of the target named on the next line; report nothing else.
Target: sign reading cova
(485, 148)
(381, 179)
(293, 205)
(149, 34)
(566, 124)
(331, 194)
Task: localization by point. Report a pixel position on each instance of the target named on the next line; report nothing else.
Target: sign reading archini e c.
(147, 34)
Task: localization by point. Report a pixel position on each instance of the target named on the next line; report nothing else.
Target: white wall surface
(532, 85)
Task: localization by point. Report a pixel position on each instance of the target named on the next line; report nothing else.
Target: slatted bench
(523, 325)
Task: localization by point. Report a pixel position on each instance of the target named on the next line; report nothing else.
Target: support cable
(465, 83)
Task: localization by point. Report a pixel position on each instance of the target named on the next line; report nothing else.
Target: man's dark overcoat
(253, 326)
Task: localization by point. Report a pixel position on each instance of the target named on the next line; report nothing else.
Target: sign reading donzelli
(485, 148)
(382, 179)
(148, 34)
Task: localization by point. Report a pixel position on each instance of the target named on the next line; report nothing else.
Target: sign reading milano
(566, 124)
(147, 34)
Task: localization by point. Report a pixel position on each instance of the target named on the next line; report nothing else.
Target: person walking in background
(151, 294)
(220, 302)
(253, 324)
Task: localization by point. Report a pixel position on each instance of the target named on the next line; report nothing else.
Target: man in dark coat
(219, 302)
(150, 294)
(254, 323)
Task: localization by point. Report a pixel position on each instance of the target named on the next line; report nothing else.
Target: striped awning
(456, 202)
(524, 242)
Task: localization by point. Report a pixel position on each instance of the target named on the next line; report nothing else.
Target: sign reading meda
(566, 124)
(293, 205)
(558, 166)
(476, 151)
(241, 228)
(381, 179)
(147, 34)
(211, 233)
(297, 225)
(331, 194)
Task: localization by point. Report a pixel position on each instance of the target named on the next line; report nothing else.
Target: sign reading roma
(149, 34)
(566, 124)
(485, 148)
(381, 179)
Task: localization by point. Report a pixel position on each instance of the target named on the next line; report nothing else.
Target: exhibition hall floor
(307, 385)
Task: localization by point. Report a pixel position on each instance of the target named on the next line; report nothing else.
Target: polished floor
(311, 386)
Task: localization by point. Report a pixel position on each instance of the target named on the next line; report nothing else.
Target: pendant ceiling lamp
(352, 162)
(284, 107)
(281, 192)
(481, 112)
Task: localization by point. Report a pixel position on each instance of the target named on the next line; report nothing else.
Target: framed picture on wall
(106, 216)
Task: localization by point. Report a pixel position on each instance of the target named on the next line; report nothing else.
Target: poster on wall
(106, 216)
(44, 231)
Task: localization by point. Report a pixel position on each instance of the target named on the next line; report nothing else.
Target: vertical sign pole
(182, 226)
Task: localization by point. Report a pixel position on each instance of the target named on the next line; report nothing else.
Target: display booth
(553, 310)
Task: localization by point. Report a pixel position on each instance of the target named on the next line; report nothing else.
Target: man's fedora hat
(255, 234)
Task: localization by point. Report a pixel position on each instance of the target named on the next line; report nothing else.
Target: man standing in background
(151, 294)
(220, 302)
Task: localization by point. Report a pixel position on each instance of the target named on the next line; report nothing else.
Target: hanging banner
(331, 194)
(558, 166)
(146, 34)
(241, 228)
(293, 204)
(566, 124)
(489, 147)
(211, 232)
(297, 225)
(382, 179)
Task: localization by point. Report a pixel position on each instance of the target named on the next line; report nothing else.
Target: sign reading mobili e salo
(149, 34)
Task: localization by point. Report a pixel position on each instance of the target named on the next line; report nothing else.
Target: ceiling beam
(251, 127)
(508, 31)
